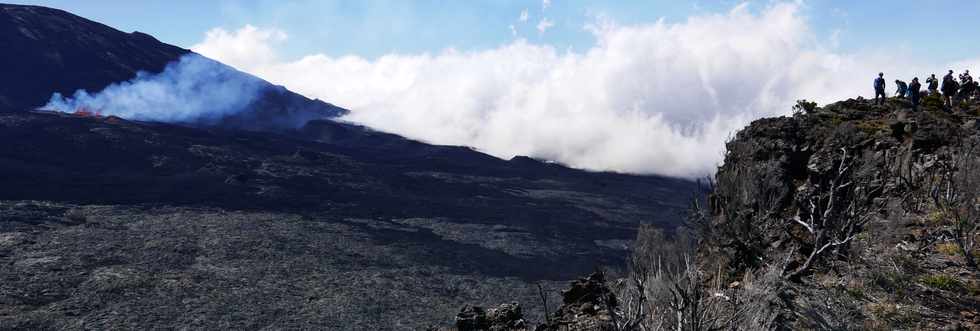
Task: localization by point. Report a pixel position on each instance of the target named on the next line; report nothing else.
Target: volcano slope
(111, 223)
(49, 51)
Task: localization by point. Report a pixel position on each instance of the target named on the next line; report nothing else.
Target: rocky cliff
(851, 216)
(872, 208)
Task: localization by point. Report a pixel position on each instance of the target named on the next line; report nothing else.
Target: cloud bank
(651, 98)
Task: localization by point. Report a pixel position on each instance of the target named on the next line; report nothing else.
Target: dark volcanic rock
(506, 317)
(868, 176)
(588, 304)
(485, 230)
(64, 157)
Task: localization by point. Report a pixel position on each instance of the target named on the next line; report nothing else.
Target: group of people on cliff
(950, 89)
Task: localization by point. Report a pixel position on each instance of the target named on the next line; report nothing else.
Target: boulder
(506, 317)
(588, 304)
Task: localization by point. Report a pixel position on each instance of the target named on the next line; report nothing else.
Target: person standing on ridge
(933, 84)
(968, 87)
(880, 88)
(965, 78)
(903, 88)
(950, 87)
(914, 90)
(948, 76)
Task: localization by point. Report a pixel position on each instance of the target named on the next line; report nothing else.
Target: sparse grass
(884, 310)
(888, 316)
(896, 283)
(836, 120)
(942, 282)
(872, 127)
(948, 249)
(856, 292)
(935, 218)
(932, 103)
(972, 287)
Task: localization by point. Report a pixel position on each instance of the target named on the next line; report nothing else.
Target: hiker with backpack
(933, 84)
(914, 91)
(950, 88)
(967, 86)
(880, 88)
(903, 88)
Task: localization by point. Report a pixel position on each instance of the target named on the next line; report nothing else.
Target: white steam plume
(193, 89)
(650, 98)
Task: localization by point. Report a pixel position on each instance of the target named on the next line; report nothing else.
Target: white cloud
(834, 39)
(651, 98)
(545, 4)
(247, 47)
(545, 24)
(513, 30)
(524, 15)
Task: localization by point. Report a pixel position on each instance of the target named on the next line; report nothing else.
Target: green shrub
(935, 218)
(942, 282)
(932, 102)
(804, 107)
(872, 127)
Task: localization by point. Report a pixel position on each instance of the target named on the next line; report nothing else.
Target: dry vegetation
(852, 239)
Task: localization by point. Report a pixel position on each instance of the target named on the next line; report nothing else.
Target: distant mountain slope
(49, 51)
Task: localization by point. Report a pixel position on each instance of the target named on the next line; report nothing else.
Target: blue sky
(369, 28)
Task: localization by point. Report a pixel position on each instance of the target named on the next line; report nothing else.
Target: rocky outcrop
(843, 193)
(775, 167)
(847, 216)
(506, 317)
(588, 304)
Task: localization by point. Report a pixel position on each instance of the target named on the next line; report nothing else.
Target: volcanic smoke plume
(194, 89)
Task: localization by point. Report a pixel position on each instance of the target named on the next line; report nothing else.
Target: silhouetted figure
(903, 88)
(967, 86)
(933, 84)
(965, 78)
(950, 87)
(880, 88)
(914, 92)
